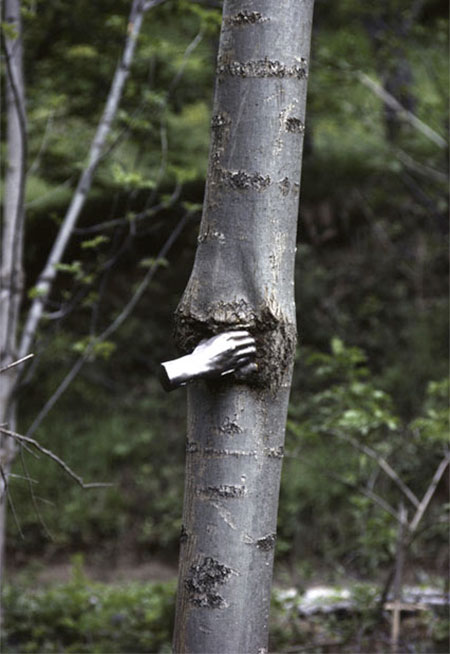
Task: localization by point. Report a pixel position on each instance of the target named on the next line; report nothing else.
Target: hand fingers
(245, 352)
(227, 372)
(242, 343)
(238, 336)
(242, 369)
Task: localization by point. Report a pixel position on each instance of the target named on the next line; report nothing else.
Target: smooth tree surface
(243, 277)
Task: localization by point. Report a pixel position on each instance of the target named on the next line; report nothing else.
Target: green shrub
(82, 616)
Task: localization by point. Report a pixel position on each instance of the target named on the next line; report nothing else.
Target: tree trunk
(243, 276)
(11, 275)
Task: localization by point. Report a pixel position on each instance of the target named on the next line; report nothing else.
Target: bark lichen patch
(229, 427)
(220, 132)
(294, 125)
(192, 447)
(241, 180)
(274, 452)
(214, 452)
(224, 491)
(245, 18)
(184, 534)
(261, 68)
(202, 583)
(284, 185)
(266, 543)
(220, 120)
(211, 235)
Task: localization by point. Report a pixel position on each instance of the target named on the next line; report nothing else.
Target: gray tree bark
(11, 270)
(243, 276)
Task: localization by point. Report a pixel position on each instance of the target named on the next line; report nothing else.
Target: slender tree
(13, 343)
(11, 269)
(243, 278)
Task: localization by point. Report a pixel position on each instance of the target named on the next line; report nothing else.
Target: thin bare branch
(429, 493)
(384, 465)
(421, 169)
(146, 280)
(371, 495)
(151, 4)
(187, 53)
(382, 503)
(37, 160)
(48, 406)
(10, 502)
(129, 307)
(16, 363)
(13, 475)
(146, 213)
(407, 115)
(48, 274)
(62, 464)
(33, 495)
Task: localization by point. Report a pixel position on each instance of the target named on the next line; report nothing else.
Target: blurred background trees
(372, 281)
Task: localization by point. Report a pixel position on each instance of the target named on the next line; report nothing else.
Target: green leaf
(134, 180)
(73, 268)
(93, 243)
(102, 349)
(35, 292)
(82, 51)
(9, 30)
(151, 262)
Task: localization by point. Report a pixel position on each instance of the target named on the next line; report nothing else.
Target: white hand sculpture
(213, 357)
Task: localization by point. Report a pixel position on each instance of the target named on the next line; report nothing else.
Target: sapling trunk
(243, 277)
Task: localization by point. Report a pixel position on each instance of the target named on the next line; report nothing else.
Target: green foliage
(433, 426)
(83, 616)
(336, 421)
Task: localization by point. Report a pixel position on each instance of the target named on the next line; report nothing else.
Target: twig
(33, 496)
(68, 379)
(10, 501)
(129, 307)
(368, 493)
(187, 53)
(146, 280)
(407, 115)
(16, 363)
(146, 213)
(62, 464)
(34, 166)
(426, 171)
